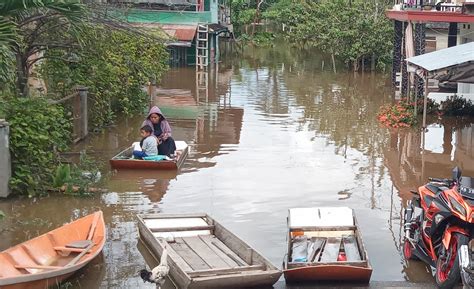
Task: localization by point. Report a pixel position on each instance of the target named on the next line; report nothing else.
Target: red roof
(429, 16)
(180, 32)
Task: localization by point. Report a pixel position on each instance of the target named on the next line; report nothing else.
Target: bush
(397, 115)
(76, 179)
(114, 65)
(37, 131)
(457, 106)
(402, 114)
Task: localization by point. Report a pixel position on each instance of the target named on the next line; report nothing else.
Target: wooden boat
(52, 257)
(124, 160)
(325, 244)
(204, 254)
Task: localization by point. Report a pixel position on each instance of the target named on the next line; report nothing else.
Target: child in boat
(148, 143)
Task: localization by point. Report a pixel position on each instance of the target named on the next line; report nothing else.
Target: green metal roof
(167, 17)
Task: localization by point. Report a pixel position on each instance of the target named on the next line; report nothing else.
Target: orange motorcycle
(438, 221)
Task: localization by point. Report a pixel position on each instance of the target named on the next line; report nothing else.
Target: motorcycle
(466, 264)
(438, 222)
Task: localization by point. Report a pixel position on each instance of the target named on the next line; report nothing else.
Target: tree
(114, 65)
(351, 31)
(28, 28)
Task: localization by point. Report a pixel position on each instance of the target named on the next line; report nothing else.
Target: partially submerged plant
(76, 179)
(397, 116)
(457, 106)
(402, 114)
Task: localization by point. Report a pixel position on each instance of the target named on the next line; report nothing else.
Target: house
(193, 27)
(423, 26)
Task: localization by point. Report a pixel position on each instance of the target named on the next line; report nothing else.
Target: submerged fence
(78, 104)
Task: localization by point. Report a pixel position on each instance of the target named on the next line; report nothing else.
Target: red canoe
(52, 257)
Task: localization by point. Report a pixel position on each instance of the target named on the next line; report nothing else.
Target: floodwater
(273, 129)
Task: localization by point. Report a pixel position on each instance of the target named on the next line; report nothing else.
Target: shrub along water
(114, 65)
(401, 114)
(38, 131)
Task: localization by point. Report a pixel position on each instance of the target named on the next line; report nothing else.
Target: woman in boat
(162, 130)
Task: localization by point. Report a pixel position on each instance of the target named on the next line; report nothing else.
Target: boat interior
(202, 247)
(63, 247)
(324, 236)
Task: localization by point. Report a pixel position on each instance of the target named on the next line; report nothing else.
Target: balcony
(440, 12)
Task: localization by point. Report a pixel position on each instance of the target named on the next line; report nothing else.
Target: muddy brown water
(272, 130)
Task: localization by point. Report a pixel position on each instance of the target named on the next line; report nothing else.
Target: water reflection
(205, 100)
(447, 143)
(153, 184)
(271, 129)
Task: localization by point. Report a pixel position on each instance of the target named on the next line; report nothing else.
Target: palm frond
(12, 7)
(7, 31)
(7, 67)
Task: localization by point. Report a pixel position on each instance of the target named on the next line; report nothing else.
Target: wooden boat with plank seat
(125, 160)
(325, 244)
(204, 254)
(52, 257)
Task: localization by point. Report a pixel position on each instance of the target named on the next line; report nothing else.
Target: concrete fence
(5, 163)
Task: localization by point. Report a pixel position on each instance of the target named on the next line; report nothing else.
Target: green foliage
(244, 11)
(114, 65)
(76, 180)
(352, 31)
(30, 27)
(62, 175)
(82, 176)
(37, 131)
(457, 106)
(259, 39)
(2, 214)
(65, 285)
(7, 68)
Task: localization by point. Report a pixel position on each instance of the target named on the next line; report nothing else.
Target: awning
(178, 44)
(455, 62)
(442, 59)
(217, 28)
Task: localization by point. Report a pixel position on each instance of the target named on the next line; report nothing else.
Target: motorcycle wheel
(448, 272)
(408, 251)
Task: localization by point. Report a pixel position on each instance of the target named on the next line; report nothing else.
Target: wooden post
(425, 100)
(5, 162)
(415, 97)
(152, 90)
(82, 90)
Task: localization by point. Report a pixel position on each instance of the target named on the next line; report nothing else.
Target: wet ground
(273, 129)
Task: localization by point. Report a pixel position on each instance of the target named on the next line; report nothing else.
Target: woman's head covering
(165, 126)
(155, 110)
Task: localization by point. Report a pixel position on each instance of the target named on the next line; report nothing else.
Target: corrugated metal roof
(444, 58)
(180, 32)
